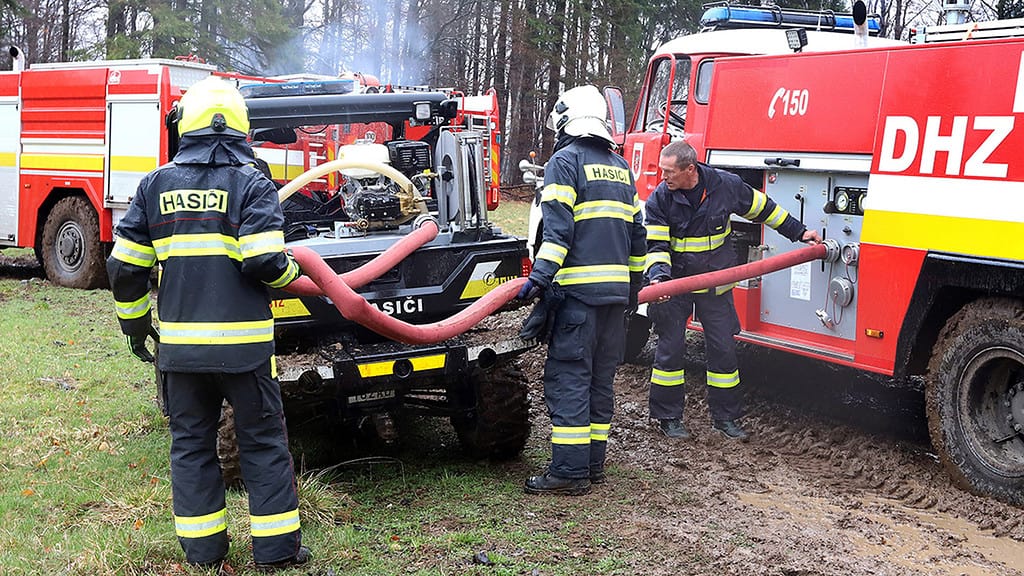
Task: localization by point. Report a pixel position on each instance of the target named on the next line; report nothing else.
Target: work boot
(731, 430)
(549, 484)
(597, 475)
(673, 428)
(301, 557)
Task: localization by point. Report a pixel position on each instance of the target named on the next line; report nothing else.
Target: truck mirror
(616, 114)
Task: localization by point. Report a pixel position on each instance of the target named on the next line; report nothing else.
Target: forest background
(528, 50)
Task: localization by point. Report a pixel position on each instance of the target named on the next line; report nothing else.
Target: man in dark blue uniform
(214, 223)
(688, 233)
(588, 269)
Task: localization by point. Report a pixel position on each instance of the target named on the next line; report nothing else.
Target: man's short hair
(681, 152)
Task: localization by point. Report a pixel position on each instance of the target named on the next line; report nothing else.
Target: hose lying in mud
(355, 308)
(375, 268)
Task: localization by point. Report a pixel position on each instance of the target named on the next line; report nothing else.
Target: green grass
(513, 216)
(85, 482)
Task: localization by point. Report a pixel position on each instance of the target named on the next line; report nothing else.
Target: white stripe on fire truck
(955, 197)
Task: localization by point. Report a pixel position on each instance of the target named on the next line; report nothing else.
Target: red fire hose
(734, 274)
(354, 307)
(373, 269)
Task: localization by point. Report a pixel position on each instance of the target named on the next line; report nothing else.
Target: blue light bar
(725, 16)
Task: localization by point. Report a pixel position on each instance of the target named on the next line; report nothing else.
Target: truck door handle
(782, 161)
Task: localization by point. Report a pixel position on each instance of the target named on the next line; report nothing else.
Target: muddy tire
(72, 254)
(975, 398)
(497, 423)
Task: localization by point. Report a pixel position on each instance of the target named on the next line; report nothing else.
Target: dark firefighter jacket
(684, 240)
(594, 242)
(214, 224)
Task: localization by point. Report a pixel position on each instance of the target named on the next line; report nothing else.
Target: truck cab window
(703, 87)
(660, 104)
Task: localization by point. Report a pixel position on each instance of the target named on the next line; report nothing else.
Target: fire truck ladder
(1013, 28)
(726, 16)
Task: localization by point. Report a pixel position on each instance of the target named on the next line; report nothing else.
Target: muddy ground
(838, 478)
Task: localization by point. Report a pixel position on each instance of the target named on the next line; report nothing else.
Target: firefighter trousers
(193, 403)
(717, 316)
(586, 346)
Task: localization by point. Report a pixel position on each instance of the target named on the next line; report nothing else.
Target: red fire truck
(76, 138)
(908, 160)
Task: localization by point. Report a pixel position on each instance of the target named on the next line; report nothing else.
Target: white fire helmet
(581, 111)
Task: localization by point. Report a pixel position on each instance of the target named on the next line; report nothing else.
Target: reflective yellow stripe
(719, 380)
(185, 245)
(132, 310)
(144, 164)
(603, 209)
(777, 217)
(656, 232)
(217, 333)
(701, 243)
(599, 432)
(200, 526)
(133, 253)
(570, 434)
(552, 253)
(637, 263)
(668, 377)
(973, 236)
(760, 199)
(273, 366)
(387, 367)
(605, 172)
(592, 274)
(262, 243)
(559, 193)
(274, 524)
(76, 162)
(286, 278)
(658, 258)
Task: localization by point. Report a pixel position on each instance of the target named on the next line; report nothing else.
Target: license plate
(371, 396)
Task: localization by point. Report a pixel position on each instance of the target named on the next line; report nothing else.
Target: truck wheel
(72, 254)
(975, 398)
(494, 419)
(227, 448)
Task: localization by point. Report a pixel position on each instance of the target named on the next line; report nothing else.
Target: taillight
(493, 198)
(526, 266)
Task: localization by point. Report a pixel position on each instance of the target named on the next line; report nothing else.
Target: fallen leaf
(28, 492)
(137, 524)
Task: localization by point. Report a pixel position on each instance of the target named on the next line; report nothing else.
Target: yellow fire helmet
(213, 107)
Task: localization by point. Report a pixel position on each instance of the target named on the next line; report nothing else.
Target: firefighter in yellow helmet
(214, 225)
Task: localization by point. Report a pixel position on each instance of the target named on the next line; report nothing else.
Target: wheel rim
(70, 247)
(987, 397)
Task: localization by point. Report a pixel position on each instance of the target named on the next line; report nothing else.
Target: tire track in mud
(810, 493)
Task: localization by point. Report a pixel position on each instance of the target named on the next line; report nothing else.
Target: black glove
(529, 290)
(137, 344)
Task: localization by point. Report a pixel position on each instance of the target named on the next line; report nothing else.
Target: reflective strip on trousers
(570, 434)
(719, 380)
(201, 526)
(668, 377)
(599, 432)
(274, 524)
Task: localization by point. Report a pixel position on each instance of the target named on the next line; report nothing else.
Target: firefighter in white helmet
(587, 271)
(213, 222)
